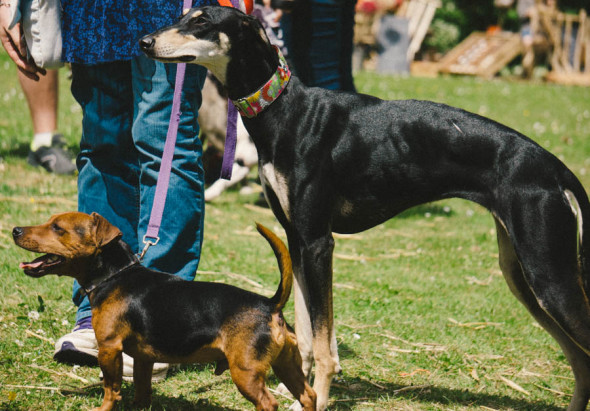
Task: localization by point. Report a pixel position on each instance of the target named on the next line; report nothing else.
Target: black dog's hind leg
(578, 359)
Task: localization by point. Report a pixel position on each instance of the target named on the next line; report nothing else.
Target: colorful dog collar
(258, 101)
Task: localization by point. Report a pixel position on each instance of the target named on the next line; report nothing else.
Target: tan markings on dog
(248, 367)
(346, 208)
(262, 34)
(575, 206)
(110, 333)
(195, 14)
(48, 238)
(168, 42)
(224, 42)
(288, 368)
(278, 183)
(303, 326)
(171, 44)
(107, 317)
(326, 365)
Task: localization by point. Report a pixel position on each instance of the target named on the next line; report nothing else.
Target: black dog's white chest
(277, 182)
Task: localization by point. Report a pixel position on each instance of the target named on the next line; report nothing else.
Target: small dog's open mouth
(40, 266)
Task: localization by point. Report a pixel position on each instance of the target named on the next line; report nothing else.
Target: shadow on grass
(161, 401)
(21, 150)
(347, 394)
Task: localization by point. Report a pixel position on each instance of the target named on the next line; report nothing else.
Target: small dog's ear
(104, 232)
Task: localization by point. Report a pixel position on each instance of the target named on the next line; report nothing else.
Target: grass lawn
(424, 318)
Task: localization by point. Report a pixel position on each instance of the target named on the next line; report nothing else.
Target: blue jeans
(318, 36)
(126, 110)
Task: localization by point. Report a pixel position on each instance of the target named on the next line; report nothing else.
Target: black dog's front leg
(314, 314)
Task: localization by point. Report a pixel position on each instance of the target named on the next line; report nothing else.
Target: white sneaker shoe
(159, 372)
(78, 348)
(81, 348)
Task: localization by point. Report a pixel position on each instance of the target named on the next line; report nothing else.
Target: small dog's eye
(56, 228)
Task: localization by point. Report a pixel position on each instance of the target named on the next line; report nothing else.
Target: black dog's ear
(253, 23)
(104, 232)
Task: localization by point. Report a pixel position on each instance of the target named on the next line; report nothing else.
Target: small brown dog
(157, 317)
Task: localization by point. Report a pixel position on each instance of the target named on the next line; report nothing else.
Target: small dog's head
(69, 241)
(205, 36)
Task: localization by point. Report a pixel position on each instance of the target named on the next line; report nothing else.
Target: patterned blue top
(100, 31)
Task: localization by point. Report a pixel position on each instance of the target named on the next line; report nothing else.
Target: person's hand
(13, 41)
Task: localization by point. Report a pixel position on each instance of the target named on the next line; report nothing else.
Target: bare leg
(48, 148)
(42, 98)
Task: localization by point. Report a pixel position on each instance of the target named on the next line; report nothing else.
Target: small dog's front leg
(110, 359)
(142, 379)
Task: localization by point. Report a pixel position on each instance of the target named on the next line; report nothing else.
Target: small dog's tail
(284, 259)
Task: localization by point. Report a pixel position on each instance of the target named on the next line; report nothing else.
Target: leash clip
(148, 243)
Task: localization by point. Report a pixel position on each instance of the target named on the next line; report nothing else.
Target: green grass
(424, 318)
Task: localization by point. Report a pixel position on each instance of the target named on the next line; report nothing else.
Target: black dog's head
(231, 44)
(206, 36)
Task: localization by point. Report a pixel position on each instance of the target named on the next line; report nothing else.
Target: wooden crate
(482, 54)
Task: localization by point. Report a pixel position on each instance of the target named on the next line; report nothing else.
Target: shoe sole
(68, 354)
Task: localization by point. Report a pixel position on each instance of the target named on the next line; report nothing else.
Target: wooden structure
(482, 54)
(568, 36)
(419, 14)
(564, 38)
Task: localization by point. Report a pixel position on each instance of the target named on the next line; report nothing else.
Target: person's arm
(13, 41)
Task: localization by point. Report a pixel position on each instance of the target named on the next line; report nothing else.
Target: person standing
(126, 101)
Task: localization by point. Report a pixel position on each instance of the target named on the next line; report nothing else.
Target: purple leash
(231, 132)
(151, 236)
(229, 151)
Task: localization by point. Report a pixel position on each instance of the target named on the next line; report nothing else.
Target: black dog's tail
(284, 259)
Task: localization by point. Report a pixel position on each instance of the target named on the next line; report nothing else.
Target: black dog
(333, 161)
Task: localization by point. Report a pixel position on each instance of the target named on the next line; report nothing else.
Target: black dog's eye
(198, 20)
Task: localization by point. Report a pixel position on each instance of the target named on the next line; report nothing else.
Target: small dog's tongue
(30, 265)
